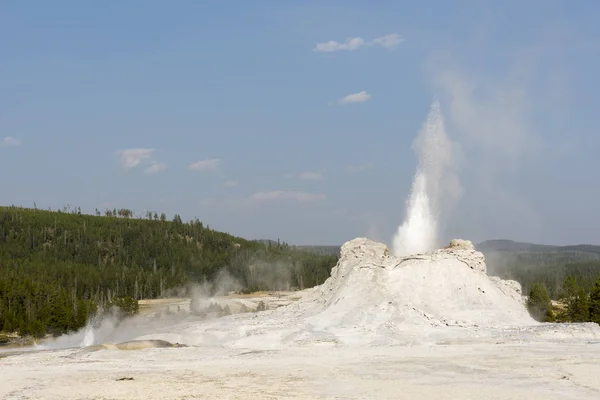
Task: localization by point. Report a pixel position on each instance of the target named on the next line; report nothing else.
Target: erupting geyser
(434, 177)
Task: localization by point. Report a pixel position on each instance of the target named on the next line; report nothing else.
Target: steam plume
(435, 177)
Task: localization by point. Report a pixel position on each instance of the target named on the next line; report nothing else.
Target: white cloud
(276, 195)
(133, 157)
(350, 44)
(9, 141)
(230, 183)
(388, 41)
(205, 165)
(155, 168)
(359, 97)
(310, 176)
(307, 176)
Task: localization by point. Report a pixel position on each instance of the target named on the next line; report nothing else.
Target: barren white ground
(431, 326)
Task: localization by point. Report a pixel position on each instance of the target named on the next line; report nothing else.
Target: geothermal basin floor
(479, 371)
(428, 326)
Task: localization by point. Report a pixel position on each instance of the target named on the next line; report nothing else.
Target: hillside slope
(57, 267)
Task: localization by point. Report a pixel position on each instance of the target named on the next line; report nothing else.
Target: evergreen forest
(57, 268)
(547, 268)
(569, 275)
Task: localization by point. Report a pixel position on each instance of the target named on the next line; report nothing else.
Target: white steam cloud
(434, 190)
(195, 303)
(109, 327)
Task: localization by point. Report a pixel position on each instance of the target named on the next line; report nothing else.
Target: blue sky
(234, 112)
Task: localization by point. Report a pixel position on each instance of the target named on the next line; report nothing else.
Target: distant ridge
(487, 246)
(512, 246)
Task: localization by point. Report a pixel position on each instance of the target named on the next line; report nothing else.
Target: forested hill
(57, 267)
(319, 249)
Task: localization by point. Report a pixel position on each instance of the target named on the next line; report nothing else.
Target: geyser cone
(400, 298)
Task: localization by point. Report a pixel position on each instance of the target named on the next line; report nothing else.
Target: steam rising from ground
(110, 327)
(435, 181)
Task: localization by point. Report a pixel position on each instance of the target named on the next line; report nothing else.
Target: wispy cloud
(133, 157)
(388, 41)
(357, 168)
(155, 168)
(10, 141)
(230, 183)
(205, 165)
(278, 195)
(359, 97)
(306, 176)
(330, 46)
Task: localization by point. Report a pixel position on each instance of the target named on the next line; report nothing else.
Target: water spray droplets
(419, 231)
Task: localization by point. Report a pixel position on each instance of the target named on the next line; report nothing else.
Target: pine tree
(595, 303)
(580, 311)
(539, 304)
(127, 306)
(576, 300)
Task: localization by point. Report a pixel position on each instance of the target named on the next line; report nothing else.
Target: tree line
(548, 268)
(57, 268)
(577, 304)
(569, 275)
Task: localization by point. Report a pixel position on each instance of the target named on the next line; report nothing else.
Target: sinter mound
(448, 287)
(373, 298)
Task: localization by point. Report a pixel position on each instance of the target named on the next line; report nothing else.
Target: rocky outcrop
(464, 251)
